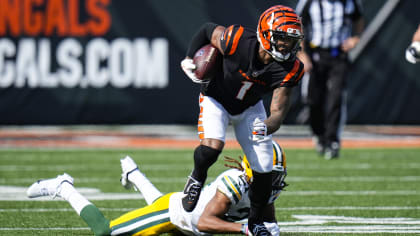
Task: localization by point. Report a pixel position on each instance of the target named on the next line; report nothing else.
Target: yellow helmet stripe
(276, 153)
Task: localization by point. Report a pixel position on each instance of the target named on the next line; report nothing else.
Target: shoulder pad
(294, 75)
(233, 186)
(230, 38)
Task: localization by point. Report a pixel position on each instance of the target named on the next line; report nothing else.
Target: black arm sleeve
(201, 38)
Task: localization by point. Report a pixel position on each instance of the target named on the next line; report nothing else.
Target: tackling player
(254, 64)
(223, 202)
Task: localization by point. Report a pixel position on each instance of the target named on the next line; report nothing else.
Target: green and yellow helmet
(279, 171)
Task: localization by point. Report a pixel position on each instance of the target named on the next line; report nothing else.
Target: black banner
(117, 62)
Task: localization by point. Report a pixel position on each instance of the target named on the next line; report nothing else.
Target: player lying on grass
(222, 204)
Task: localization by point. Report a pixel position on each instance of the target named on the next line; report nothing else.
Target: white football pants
(213, 122)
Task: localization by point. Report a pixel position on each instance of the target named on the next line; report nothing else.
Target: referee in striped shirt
(332, 28)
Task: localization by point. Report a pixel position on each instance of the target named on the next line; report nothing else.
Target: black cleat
(319, 145)
(192, 190)
(332, 151)
(259, 230)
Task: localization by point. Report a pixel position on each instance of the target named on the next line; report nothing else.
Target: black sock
(204, 157)
(259, 193)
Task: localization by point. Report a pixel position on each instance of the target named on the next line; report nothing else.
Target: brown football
(207, 60)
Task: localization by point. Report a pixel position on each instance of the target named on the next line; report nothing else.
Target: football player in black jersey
(254, 63)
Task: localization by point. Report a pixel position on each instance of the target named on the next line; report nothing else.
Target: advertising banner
(68, 62)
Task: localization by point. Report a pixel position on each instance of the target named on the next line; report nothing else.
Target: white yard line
(14, 193)
(371, 229)
(364, 179)
(308, 208)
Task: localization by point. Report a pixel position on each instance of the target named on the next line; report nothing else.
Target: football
(207, 60)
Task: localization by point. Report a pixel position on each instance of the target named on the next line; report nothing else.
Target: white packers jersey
(232, 183)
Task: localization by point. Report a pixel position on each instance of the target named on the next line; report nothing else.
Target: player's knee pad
(204, 157)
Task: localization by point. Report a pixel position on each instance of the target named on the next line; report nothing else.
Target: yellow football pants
(150, 220)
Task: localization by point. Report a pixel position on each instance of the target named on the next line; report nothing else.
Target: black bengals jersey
(244, 79)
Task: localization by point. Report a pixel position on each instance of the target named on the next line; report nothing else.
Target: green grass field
(365, 192)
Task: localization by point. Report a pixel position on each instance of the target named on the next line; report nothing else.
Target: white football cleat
(48, 187)
(127, 166)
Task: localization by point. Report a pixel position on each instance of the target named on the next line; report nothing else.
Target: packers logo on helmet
(279, 171)
(279, 23)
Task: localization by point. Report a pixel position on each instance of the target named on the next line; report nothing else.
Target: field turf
(365, 192)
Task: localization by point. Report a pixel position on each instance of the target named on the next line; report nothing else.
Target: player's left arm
(280, 103)
(211, 221)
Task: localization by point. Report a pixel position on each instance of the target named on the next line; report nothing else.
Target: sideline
(178, 136)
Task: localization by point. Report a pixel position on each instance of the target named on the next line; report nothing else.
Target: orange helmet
(279, 23)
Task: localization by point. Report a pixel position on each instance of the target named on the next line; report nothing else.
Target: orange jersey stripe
(300, 75)
(236, 40)
(229, 34)
(293, 72)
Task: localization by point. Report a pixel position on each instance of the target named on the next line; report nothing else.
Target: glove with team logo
(412, 54)
(273, 227)
(259, 130)
(188, 67)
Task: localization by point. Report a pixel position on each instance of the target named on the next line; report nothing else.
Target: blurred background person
(412, 53)
(332, 28)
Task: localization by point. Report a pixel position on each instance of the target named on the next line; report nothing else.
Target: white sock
(71, 195)
(147, 189)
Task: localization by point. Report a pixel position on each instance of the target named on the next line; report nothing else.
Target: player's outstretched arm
(211, 220)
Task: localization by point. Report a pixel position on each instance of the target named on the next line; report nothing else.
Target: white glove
(259, 130)
(245, 230)
(188, 67)
(273, 227)
(412, 54)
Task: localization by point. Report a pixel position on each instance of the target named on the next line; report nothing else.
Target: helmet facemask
(277, 176)
(290, 40)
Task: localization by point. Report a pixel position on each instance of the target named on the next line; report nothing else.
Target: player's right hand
(259, 130)
(188, 67)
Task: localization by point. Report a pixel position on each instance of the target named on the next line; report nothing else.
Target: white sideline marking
(45, 229)
(309, 223)
(351, 193)
(59, 209)
(288, 229)
(313, 224)
(381, 208)
(13, 193)
(174, 166)
(183, 179)
(324, 219)
(372, 229)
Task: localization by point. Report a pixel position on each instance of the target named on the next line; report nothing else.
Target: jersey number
(246, 85)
